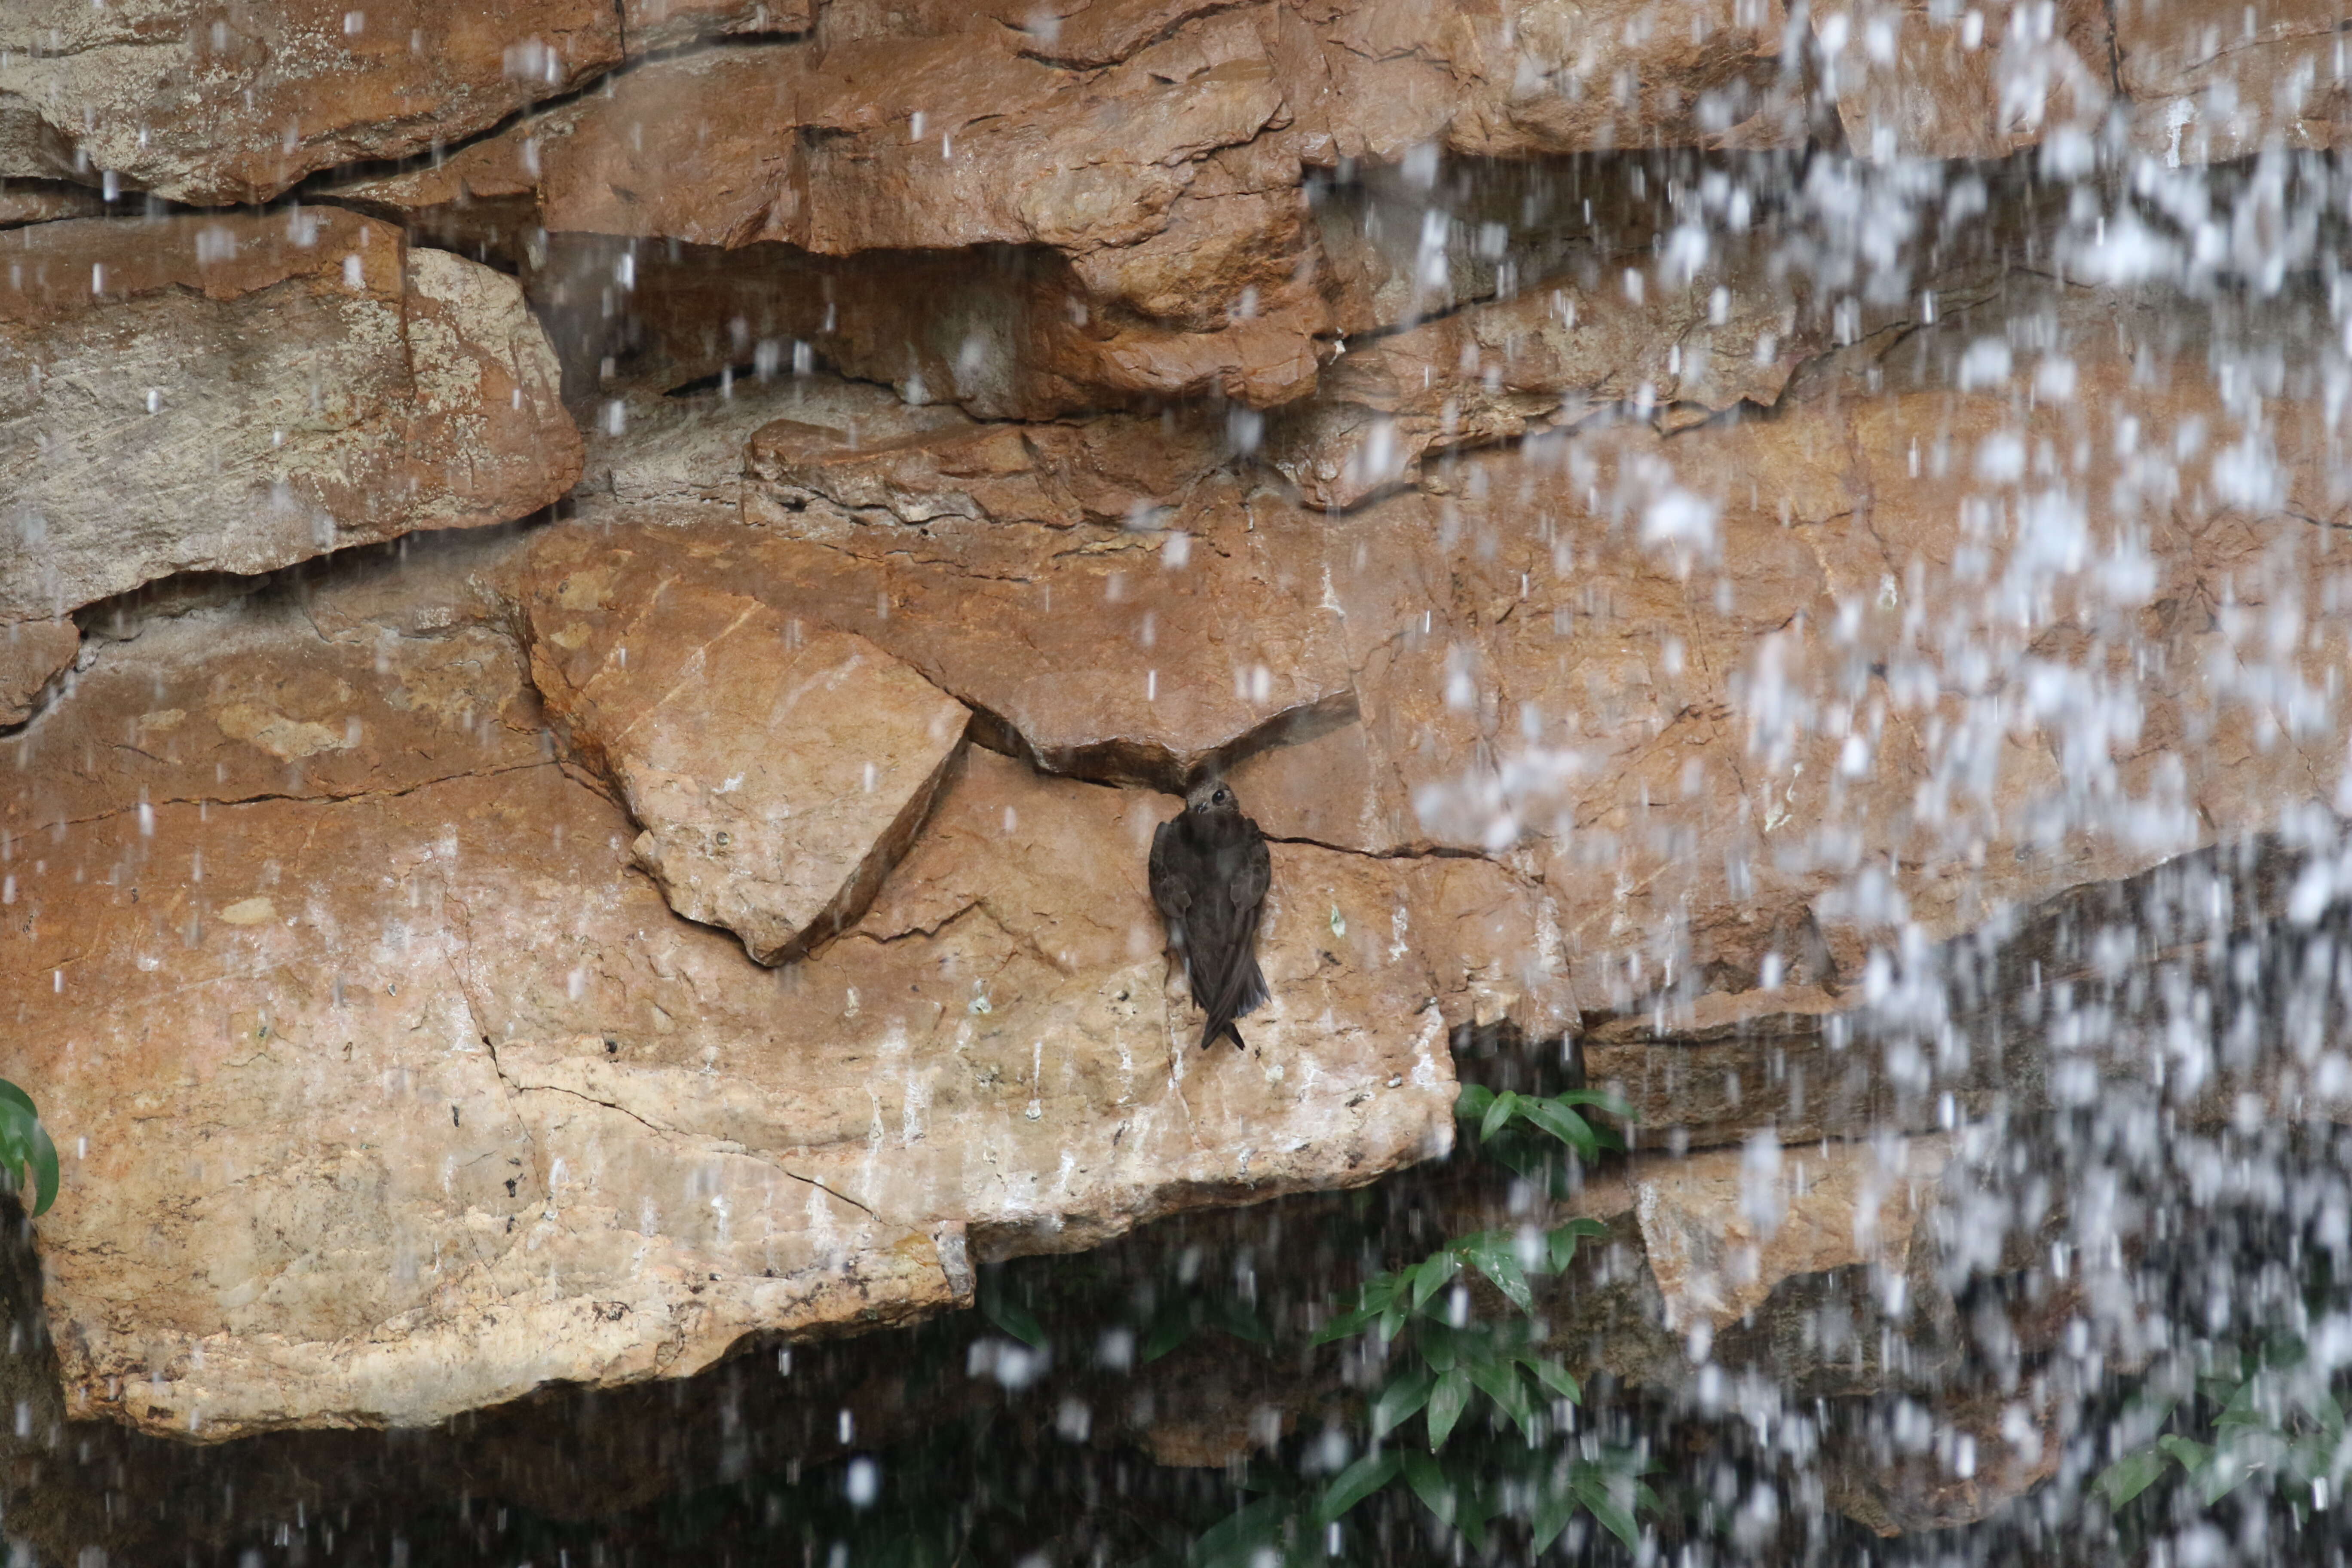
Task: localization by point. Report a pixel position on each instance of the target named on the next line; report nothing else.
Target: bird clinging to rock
(1210, 871)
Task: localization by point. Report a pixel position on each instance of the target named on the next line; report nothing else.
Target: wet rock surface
(231, 395)
(1785, 567)
(780, 771)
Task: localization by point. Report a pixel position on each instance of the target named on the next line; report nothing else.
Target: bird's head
(1214, 797)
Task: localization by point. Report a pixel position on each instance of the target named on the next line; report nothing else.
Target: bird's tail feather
(1253, 995)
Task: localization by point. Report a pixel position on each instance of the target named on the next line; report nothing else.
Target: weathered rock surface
(46, 201)
(1684, 677)
(1169, 256)
(202, 105)
(1676, 349)
(1915, 81)
(1721, 1230)
(236, 393)
(1004, 333)
(32, 653)
(779, 770)
(2212, 83)
(459, 1107)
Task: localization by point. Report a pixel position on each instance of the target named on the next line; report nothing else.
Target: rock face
(236, 393)
(780, 771)
(1654, 591)
(445, 1039)
(1553, 356)
(204, 105)
(2208, 84)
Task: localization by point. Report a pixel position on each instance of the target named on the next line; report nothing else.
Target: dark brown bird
(1210, 871)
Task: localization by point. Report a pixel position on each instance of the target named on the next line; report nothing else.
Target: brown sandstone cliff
(1641, 586)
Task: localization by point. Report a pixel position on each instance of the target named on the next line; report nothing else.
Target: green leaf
(1565, 1125)
(1560, 1243)
(1345, 1326)
(1173, 1329)
(24, 1142)
(1555, 1506)
(1431, 1272)
(1447, 1401)
(1496, 1253)
(1554, 1376)
(1401, 1400)
(12, 1094)
(1599, 1099)
(1595, 1489)
(1357, 1482)
(1437, 1344)
(1473, 1101)
(2130, 1475)
(1235, 1540)
(1498, 1115)
(1011, 1317)
(1238, 1321)
(45, 1170)
(1393, 1319)
(2192, 1456)
(1500, 1379)
(1423, 1473)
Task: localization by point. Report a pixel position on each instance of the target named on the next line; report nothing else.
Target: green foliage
(1449, 1361)
(1460, 1374)
(1006, 1313)
(1526, 1132)
(2277, 1418)
(24, 1141)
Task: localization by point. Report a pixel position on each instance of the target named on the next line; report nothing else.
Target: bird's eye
(1223, 796)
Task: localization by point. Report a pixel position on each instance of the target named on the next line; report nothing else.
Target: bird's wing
(1248, 889)
(1169, 889)
(1231, 983)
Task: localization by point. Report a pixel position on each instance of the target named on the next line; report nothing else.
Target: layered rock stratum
(588, 686)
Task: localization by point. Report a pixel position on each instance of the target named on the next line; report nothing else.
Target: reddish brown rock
(1722, 1230)
(46, 201)
(214, 106)
(779, 770)
(650, 25)
(1913, 82)
(1127, 654)
(1169, 256)
(880, 461)
(460, 1107)
(31, 654)
(1006, 334)
(1677, 348)
(235, 394)
(2209, 82)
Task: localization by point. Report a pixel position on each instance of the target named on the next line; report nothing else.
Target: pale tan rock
(1724, 1228)
(650, 25)
(886, 463)
(1912, 81)
(214, 107)
(1167, 257)
(646, 450)
(411, 965)
(240, 393)
(1677, 347)
(25, 201)
(2209, 82)
(779, 770)
(31, 654)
